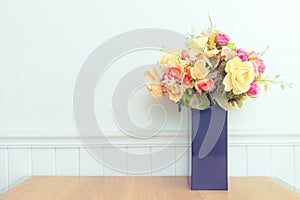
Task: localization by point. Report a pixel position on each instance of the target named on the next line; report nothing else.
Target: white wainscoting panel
(181, 164)
(121, 162)
(139, 161)
(43, 162)
(282, 163)
(162, 159)
(237, 164)
(67, 161)
(259, 160)
(275, 156)
(90, 166)
(19, 165)
(3, 170)
(297, 168)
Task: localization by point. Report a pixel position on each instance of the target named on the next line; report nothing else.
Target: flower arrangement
(210, 70)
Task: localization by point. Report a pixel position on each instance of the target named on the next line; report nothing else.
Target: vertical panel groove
(7, 170)
(270, 164)
(174, 161)
(297, 168)
(102, 151)
(127, 161)
(294, 168)
(55, 163)
(151, 164)
(30, 162)
(271, 161)
(79, 161)
(246, 160)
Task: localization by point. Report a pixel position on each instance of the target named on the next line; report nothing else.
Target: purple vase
(209, 149)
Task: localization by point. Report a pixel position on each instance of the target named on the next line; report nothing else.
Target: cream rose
(170, 58)
(175, 92)
(198, 44)
(239, 76)
(199, 71)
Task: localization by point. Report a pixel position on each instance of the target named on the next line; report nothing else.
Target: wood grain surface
(144, 188)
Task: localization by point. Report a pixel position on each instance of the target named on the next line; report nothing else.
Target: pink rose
(253, 89)
(205, 85)
(187, 78)
(222, 39)
(242, 54)
(173, 73)
(255, 67)
(259, 66)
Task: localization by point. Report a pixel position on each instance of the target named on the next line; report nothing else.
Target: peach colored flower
(174, 73)
(153, 83)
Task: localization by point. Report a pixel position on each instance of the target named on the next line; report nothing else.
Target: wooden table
(144, 188)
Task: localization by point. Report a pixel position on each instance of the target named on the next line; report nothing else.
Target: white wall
(44, 44)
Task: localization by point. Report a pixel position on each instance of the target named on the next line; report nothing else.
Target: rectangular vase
(209, 149)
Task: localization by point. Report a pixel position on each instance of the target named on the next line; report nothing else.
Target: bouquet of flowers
(210, 70)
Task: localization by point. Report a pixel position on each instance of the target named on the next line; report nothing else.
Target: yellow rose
(153, 83)
(199, 71)
(175, 91)
(239, 76)
(170, 58)
(198, 44)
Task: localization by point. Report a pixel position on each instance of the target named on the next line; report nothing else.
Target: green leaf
(184, 97)
(179, 107)
(199, 101)
(264, 51)
(190, 91)
(230, 46)
(277, 76)
(282, 86)
(210, 21)
(239, 103)
(266, 88)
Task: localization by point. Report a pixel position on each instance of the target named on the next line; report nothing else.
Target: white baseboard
(250, 154)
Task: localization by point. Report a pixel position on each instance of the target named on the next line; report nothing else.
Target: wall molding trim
(68, 142)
